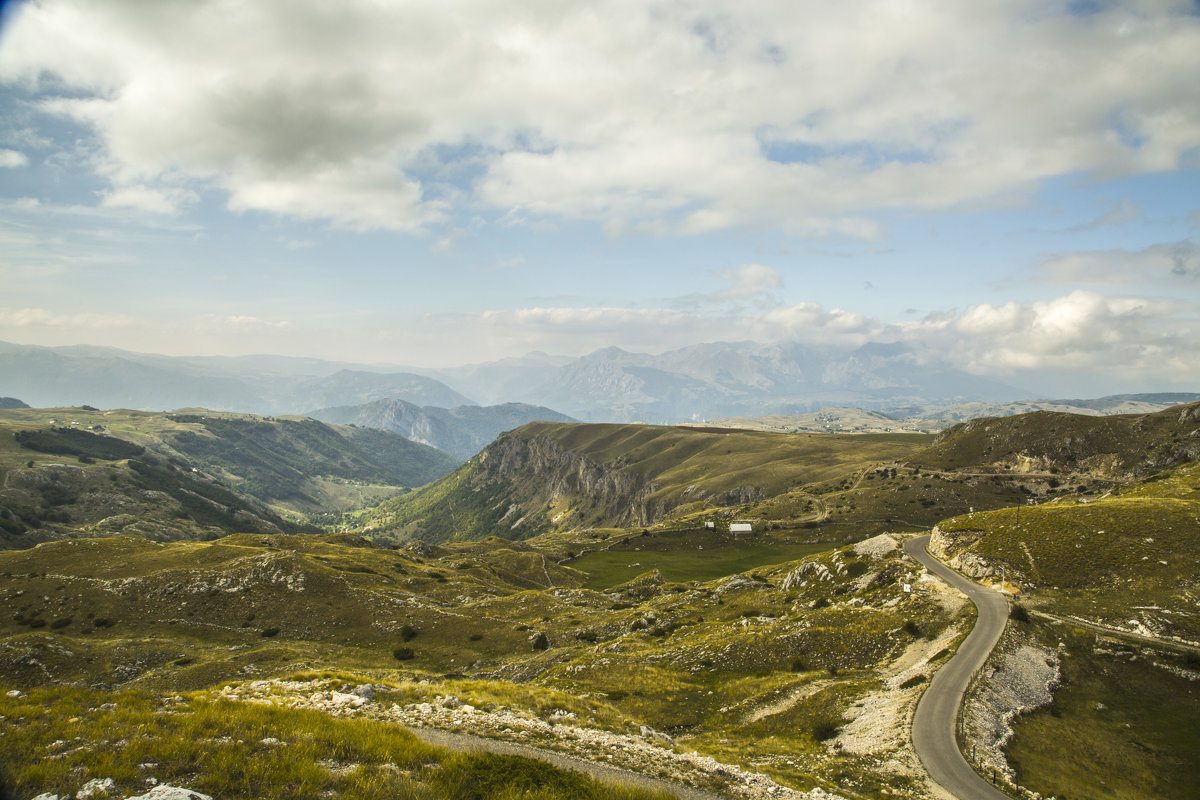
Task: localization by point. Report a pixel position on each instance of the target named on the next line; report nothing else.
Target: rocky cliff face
(521, 485)
(582, 488)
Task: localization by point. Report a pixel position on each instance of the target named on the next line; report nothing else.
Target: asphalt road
(934, 721)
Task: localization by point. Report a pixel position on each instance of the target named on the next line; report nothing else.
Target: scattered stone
(14, 692)
(342, 699)
(95, 787)
(165, 791)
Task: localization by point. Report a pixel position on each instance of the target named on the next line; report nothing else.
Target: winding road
(934, 721)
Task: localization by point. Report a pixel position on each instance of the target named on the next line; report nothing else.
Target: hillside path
(467, 743)
(933, 728)
(1118, 633)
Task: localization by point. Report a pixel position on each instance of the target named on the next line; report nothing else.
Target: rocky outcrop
(953, 547)
(611, 492)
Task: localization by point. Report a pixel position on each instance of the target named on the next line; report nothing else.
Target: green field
(1122, 725)
(707, 558)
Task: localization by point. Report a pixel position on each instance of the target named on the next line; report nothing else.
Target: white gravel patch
(645, 754)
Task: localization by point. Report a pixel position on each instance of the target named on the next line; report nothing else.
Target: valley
(281, 586)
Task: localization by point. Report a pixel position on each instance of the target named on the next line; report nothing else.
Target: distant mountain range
(722, 379)
(930, 418)
(49, 377)
(462, 432)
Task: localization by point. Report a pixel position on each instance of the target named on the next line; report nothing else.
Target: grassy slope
(661, 468)
(215, 473)
(229, 749)
(1119, 557)
(1123, 725)
(166, 618)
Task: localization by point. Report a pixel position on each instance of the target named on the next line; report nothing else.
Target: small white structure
(710, 524)
(740, 527)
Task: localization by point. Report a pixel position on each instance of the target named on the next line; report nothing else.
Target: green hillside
(555, 476)
(191, 475)
(494, 624)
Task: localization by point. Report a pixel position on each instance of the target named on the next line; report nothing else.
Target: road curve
(934, 721)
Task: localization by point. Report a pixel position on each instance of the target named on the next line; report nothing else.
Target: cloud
(12, 159)
(145, 198)
(749, 280)
(1169, 264)
(1079, 334)
(41, 318)
(1122, 213)
(665, 117)
(1066, 341)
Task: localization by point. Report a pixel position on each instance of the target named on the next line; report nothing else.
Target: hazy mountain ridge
(728, 378)
(48, 377)
(461, 431)
(936, 417)
(690, 383)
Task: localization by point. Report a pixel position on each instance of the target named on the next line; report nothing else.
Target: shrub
(825, 728)
(1019, 613)
(269, 632)
(408, 633)
(403, 653)
(912, 629)
(798, 665)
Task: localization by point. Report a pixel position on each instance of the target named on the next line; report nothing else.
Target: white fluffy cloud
(13, 159)
(686, 117)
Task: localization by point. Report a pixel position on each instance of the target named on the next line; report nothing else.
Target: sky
(1009, 186)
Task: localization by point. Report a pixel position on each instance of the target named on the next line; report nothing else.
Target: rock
(95, 787)
(539, 641)
(735, 583)
(649, 733)
(14, 692)
(167, 792)
(341, 699)
(46, 796)
(877, 546)
(366, 692)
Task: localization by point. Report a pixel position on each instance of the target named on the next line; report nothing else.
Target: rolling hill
(547, 476)
(199, 474)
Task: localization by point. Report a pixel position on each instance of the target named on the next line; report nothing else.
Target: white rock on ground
(642, 754)
(166, 792)
(1023, 680)
(94, 787)
(877, 546)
